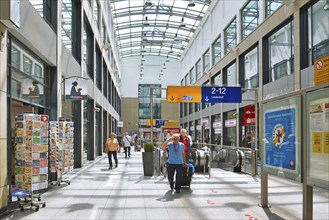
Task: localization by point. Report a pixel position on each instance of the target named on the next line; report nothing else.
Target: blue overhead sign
(160, 122)
(221, 94)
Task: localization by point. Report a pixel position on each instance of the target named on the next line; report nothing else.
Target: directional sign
(160, 122)
(220, 94)
(184, 94)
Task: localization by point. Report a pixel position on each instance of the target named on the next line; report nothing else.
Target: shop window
(187, 79)
(230, 36)
(249, 16)
(272, 5)
(250, 69)
(206, 61)
(88, 50)
(230, 75)
(15, 58)
(198, 69)
(27, 65)
(217, 50)
(280, 49)
(38, 71)
(105, 74)
(192, 76)
(67, 24)
(190, 108)
(318, 31)
(98, 68)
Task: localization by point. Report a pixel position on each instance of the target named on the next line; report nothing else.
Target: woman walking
(111, 148)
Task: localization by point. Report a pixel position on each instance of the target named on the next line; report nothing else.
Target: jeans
(114, 153)
(179, 175)
(127, 149)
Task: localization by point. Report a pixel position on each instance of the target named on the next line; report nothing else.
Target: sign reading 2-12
(220, 94)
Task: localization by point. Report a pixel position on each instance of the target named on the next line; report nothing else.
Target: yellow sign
(171, 123)
(148, 122)
(317, 142)
(184, 94)
(321, 71)
(326, 142)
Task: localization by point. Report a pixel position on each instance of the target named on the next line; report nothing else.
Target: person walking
(112, 146)
(187, 143)
(136, 143)
(176, 161)
(127, 140)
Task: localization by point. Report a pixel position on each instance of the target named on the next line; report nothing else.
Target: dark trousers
(114, 153)
(127, 150)
(179, 175)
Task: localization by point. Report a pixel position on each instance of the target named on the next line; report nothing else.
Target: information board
(317, 111)
(184, 94)
(281, 138)
(220, 94)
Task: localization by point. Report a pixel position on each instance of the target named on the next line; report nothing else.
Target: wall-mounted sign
(230, 123)
(191, 128)
(120, 124)
(218, 130)
(171, 123)
(76, 88)
(198, 127)
(217, 94)
(184, 94)
(321, 71)
(217, 124)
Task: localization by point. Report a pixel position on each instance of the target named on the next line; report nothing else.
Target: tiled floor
(124, 193)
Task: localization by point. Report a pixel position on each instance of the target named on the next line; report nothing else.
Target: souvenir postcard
(36, 148)
(44, 147)
(19, 140)
(29, 124)
(36, 132)
(28, 140)
(20, 124)
(44, 140)
(20, 132)
(35, 163)
(36, 118)
(44, 133)
(27, 170)
(19, 117)
(61, 135)
(36, 125)
(36, 170)
(19, 178)
(44, 118)
(18, 170)
(29, 132)
(36, 140)
(36, 155)
(28, 117)
(20, 147)
(19, 155)
(44, 125)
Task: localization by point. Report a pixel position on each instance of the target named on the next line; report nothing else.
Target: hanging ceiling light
(143, 50)
(176, 38)
(143, 59)
(146, 23)
(171, 50)
(326, 7)
(164, 66)
(167, 60)
(191, 3)
(246, 60)
(274, 40)
(161, 72)
(148, 3)
(182, 24)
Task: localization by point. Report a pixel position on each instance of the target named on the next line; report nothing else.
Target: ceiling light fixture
(171, 50)
(143, 59)
(148, 3)
(326, 7)
(143, 50)
(274, 40)
(176, 38)
(182, 24)
(146, 23)
(167, 60)
(164, 66)
(246, 60)
(191, 3)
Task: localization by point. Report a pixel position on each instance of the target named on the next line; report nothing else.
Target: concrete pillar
(3, 118)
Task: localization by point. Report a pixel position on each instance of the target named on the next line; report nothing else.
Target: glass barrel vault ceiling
(156, 27)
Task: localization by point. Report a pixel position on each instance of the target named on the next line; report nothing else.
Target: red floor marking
(210, 202)
(213, 190)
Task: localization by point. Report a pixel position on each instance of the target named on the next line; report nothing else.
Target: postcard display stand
(61, 149)
(31, 158)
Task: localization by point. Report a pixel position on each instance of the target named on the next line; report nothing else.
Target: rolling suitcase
(187, 175)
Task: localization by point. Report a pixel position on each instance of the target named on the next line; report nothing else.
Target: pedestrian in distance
(111, 148)
(187, 143)
(176, 161)
(127, 143)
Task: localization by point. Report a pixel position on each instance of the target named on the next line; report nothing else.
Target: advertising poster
(318, 139)
(280, 133)
(32, 89)
(76, 89)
